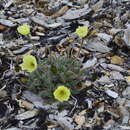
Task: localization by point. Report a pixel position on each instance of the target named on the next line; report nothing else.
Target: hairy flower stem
(81, 45)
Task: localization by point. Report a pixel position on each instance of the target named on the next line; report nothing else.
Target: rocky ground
(105, 102)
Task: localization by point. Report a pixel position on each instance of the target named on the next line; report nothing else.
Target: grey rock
(115, 67)
(21, 50)
(27, 114)
(8, 23)
(127, 37)
(97, 47)
(14, 128)
(2, 16)
(104, 79)
(90, 63)
(116, 75)
(97, 5)
(127, 104)
(63, 120)
(42, 20)
(126, 92)
(104, 65)
(104, 37)
(9, 3)
(76, 13)
(34, 37)
(1, 39)
(21, 20)
(35, 99)
(125, 115)
(111, 93)
(40, 34)
(114, 31)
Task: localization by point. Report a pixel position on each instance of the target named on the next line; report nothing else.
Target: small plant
(56, 71)
(62, 71)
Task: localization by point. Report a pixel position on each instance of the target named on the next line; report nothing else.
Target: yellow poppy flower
(29, 63)
(82, 31)
(62, 93)
(24, 29)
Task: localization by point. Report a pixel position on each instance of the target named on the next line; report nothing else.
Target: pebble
(14, 128)
(116, 75)
(113, 31)
(125, 115)
(1, 36)
(34, 37)
(35, 99)
(90, 63)
(40, 28)
(126, 92)
(41, 21)
(115, 67)
(77, 13)
(8, 3)
(7, 23)
(21, 20)
(40, 34)
(21, 50)
(80, 120)
(2, 16)
(88, 83)
(97, 47)
(27, 114)
(104, 79)
(127, 104)
(111, 93)
(105, 36)
(127, 37)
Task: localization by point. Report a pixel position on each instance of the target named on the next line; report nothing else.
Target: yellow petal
(62, 93)
(24, 29)
(82, 31)
(29, 63)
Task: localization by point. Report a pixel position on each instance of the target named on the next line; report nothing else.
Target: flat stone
(115, 67)
(7, 23)
(126, 92)
(42, 20)
(127, 104)
(40, 34)
(34, 37)
(90, 63)
(21, 50)
(111, 93)
(76, 13)
(116, 75)
(104, 79)
(21, 20)
(127, 37)
(97, 47)
(27, 114)
(104, 37)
